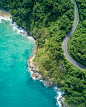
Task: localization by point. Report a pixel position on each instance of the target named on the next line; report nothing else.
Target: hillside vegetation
(77, 46)
(49, 21)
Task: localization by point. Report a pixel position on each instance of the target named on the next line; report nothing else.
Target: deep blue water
(17, 89)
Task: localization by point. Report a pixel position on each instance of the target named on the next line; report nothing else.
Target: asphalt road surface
(64, 45)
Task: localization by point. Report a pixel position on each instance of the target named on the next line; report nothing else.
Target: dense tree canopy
(49, 21)
(79, 37)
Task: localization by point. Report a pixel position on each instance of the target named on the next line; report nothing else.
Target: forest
(79, 37)
(49, 21)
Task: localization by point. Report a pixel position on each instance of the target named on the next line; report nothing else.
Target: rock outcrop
(35, 73)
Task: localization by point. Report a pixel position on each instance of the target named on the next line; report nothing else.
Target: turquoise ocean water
(17, 89)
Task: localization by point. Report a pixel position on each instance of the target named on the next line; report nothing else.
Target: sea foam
(5, 18)
(19, 30)
(59, 95)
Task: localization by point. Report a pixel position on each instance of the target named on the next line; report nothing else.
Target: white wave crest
(5, 18)
(59, 95)
(19, 30)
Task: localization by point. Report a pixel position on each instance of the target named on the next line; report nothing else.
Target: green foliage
(79, 38)
(75, 87)
(84, 23)
(27, 3)
(49, 21)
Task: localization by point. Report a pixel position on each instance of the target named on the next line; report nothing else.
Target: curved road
(64, 45)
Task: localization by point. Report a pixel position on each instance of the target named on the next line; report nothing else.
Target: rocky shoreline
(35, 73)
(62, 99)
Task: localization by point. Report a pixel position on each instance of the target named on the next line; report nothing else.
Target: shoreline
(4, 13)
(35, 74)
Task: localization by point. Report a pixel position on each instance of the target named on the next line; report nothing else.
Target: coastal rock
(48, 83)
(34, 72)
(37, 76)
(30, 34)
(63, 104)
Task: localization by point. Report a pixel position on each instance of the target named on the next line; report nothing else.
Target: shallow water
(17, 89)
